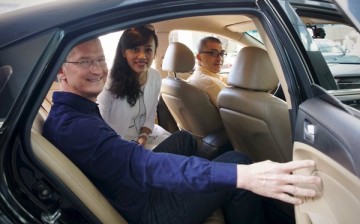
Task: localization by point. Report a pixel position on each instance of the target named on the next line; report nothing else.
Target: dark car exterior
(35, 41)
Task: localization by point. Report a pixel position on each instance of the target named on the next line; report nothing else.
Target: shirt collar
(205, 71)
(78, 102)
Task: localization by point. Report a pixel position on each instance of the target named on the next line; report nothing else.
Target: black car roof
(24, 22)
(21, 23)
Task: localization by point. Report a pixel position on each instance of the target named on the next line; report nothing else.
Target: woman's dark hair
(124, 83)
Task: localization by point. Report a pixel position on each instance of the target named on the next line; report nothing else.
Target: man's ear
(198, 57)
(61, 74)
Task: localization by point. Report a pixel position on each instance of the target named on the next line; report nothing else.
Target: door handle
(309, 131)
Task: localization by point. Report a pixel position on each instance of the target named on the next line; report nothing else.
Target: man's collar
(206, 71)
(78, 102)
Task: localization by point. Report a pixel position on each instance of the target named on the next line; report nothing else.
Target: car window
(16, 69)
(255, 34)
(189, 38)
(340, 46)
(109, 43)
(337, 40)
(336, 44)
(192, 38)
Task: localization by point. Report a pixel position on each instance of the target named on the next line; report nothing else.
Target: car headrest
(178, 58)
(253, 70)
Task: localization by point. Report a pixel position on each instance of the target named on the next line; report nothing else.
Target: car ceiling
(230, 26)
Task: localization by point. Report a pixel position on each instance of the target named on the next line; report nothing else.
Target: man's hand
(275, 180)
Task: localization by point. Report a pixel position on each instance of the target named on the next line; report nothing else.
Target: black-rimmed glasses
(86, 63)
(214, 53)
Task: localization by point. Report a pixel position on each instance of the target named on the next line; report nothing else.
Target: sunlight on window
(109, 43)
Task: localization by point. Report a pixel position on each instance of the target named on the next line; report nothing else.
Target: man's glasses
(214, 53)
(86, 63)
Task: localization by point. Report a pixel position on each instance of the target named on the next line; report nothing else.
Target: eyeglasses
(86, 63)
(214, 53)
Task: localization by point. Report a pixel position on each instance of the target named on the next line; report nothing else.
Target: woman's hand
(275, 180)
(143, 137)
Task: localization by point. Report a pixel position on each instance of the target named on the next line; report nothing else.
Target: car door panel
(335, 132)
(338, 185)
(348, 97)
(329, 135)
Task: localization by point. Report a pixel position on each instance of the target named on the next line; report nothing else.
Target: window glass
(340, 46)
(109, 43)
(255, 34)
(17, 64)
(189, 38)
(335, 44)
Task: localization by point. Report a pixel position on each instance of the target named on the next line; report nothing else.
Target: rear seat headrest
(178, 58)
(253, 70)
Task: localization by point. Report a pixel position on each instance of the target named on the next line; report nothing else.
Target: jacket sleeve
(105, 156)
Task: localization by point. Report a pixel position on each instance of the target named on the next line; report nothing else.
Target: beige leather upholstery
(58, 164)
(178, 58)
(190, 106)
(256, 121)
(48, 99)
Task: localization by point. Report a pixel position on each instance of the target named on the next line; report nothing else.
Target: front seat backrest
(190, 106)
(256, 121)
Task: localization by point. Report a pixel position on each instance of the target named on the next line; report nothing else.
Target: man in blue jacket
(157, 187)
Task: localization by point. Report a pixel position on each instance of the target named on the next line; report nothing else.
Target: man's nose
(95, 67)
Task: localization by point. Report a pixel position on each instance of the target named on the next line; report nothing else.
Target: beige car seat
(59, 165)
(256, 121)
(190, 106)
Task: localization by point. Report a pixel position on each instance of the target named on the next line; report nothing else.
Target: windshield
(340, 44)
(333, 49)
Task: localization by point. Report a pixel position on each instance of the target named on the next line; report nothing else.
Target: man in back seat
(155, 187)
(210, 58)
